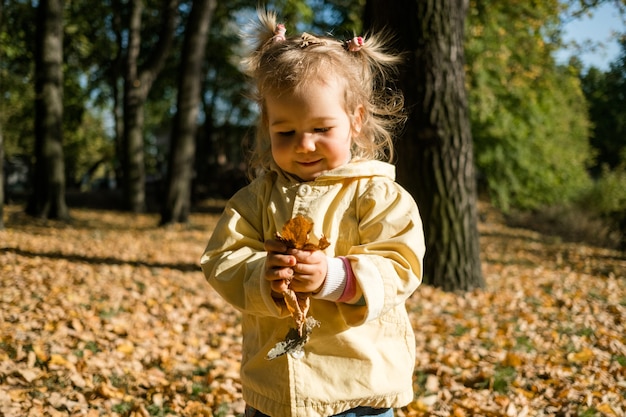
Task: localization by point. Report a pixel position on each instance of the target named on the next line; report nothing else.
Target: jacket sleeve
(234, 259)
(387, 261)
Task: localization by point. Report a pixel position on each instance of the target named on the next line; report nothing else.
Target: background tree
(100, 30)
(177, 203)
(138, 79)
(606, 94)
(17, 107)
(224, 109)
(528, 115)
(1, 137)
(47, 199)
(1, 180)
(86, 144)
(435, 153)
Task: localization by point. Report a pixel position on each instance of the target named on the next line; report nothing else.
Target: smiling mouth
(309, 163)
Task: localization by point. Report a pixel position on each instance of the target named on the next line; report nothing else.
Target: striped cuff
(335, 283)
(350, 290)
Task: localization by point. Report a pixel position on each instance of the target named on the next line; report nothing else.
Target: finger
(304, 270)
(278, 274)
(308, 257)
(280, 261)
(279, 286)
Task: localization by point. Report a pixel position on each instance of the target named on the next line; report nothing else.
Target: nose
(305, 143)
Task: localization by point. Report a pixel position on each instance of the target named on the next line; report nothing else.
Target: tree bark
(115, 74)
(435, 152)
(137, 84)
(2, 198)
(183, 139)
(48, 195)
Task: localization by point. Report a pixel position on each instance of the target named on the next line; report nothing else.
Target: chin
(307, 178)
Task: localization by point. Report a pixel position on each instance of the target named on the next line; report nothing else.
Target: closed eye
(321, 129)
(287, 133)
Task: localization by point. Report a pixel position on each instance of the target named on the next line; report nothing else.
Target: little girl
(324, 134)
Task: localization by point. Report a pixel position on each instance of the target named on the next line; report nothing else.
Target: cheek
(340, 150)
(279, 147)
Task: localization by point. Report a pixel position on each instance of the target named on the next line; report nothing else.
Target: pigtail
(385, 113)
(259, 35)
(379, 64)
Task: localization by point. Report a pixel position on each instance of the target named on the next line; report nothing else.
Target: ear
(357, 119)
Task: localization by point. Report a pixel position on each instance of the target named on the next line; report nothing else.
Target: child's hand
(309, 271)
(303, 271)
(278, 266)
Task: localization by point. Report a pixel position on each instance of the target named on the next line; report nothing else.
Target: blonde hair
(280, 63)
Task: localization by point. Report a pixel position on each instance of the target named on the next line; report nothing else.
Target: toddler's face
(310, 130)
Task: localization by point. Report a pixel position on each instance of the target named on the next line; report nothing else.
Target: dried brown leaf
(544, 337)
(295, 234)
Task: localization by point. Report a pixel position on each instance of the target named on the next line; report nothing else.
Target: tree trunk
(2, 198)
(435, 152)
(137, 85)
(48, 194)
(182, 155)
(1, 172)
(116, 74)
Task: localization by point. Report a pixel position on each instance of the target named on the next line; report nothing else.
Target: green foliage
(528, 116)
(93, 35)
(609, 193)
(85, 139)
(503, 378)
(606, 94)
(87, 148)
(607, 196)
(16, 73)
(589, 412)
(124, 407)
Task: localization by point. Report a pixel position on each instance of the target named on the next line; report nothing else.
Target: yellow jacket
(362, 354)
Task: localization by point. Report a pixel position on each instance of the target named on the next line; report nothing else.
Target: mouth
(309, 163)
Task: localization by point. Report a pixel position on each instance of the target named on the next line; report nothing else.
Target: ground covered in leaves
(110, 316)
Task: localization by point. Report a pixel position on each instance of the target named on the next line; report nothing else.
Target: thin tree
(1, 147)
(183, 138)
(138, 80)
(436, 162)
(1, 177)
(48, 195)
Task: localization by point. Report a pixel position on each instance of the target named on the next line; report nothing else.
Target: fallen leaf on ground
(545, 337)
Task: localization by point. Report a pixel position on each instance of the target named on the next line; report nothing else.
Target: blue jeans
(355, 412)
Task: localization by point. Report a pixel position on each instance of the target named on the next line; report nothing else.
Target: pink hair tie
(279, 33)
(354, 44)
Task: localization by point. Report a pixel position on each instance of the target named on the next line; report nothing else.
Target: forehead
(320, 89)
(310, 95)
